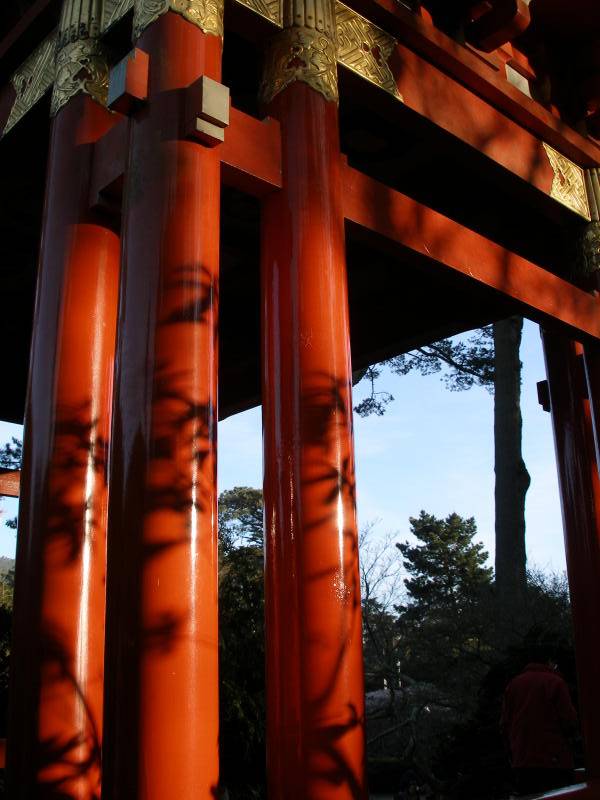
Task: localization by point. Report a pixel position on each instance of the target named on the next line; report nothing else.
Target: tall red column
(315, 701)
(55, 725)
(580, 495)
(162, 670)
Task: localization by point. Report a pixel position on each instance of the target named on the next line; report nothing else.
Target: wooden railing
(10, 480)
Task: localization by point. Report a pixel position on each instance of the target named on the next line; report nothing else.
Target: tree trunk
(512, 478)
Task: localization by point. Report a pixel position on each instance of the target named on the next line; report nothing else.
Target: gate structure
(345, 181)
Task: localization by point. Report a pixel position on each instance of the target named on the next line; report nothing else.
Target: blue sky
(432, 450)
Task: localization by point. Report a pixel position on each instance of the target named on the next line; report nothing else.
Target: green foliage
(447, 567)
(240, 517)
(241, 643)
(446, 659)
(7, 585)
(380, 646)
(5, 638)
(441, 622)
(10, 458)
(11, 454)
(463, 364)
(377, 401)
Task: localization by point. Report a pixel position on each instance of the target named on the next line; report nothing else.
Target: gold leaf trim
(32, 80)
(317, 14)
(267, 9)
(205, 14)
(80, 67)
(301, 54)
(365, 49)
(79, 19)
(568, 185)
(113, 11)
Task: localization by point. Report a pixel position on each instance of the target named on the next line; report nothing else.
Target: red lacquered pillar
(315, 700)
(580, 495)
(55, 725)
(162, 656)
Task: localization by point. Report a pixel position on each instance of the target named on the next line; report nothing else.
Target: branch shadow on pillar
(329, 491)
(75, 758)
(164, 474)
(79, 460)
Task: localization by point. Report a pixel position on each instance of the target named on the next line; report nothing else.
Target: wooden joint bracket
(207, 111)
(501, 22)
(108, 168)
(543, 393)
(128, 82)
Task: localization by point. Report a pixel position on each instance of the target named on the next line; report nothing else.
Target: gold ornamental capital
(205, 14)
(305, 50)
(81, 63)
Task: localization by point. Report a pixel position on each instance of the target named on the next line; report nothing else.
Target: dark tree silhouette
(490, 359)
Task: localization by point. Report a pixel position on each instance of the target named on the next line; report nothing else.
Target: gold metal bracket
(267, 9)
(568, 185)
(32, 80)
(208, 111)
(301, 54)
(365, 49)
(205, 14)
(81, 63)
(80, 67)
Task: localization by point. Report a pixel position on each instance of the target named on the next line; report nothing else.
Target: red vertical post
(580, 496)
(55, 723)
(315, 701)
(162, 693)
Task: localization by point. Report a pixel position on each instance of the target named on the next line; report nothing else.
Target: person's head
(543, 653)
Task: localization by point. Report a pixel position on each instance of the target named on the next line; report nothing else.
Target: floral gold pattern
(32, 80)
(205, 14)
(365, 49)
(568, 186)
(80, 67)
(301, 54)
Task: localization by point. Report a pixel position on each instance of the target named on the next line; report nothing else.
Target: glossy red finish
(55, 726)
(315, 701)
(162, 699)
(401, 219)
(447, 63)
(580, 495)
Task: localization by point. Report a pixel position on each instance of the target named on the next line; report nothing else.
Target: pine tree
(442, 626)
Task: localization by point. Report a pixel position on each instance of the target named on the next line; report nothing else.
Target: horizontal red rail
(10, 481)
(545, 296)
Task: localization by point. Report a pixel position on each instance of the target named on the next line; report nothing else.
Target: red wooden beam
(250, 158)
(10, 480)
(476, 73)
(460, 112)
(251, 154)
(451, 245)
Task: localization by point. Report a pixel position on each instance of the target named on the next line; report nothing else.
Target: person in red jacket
(538, 720)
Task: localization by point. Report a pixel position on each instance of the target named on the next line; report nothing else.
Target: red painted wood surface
(460, 65)
(55, 734)
(10, 480)
(403, 220)
(428, 91)
(162, 697)
(580, 497)
(315, 701)
(251, 154)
